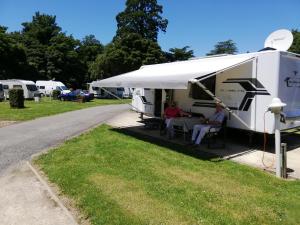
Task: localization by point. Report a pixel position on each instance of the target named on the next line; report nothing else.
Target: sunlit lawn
(49, 107)
(115, 178)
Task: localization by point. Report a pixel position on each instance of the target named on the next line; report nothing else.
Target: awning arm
(117, 97)
(195, 81)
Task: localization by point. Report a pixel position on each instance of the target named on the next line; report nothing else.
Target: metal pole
(277, 143)
(283, 160)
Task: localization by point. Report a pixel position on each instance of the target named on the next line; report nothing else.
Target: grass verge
(48, 107)
(115, 178)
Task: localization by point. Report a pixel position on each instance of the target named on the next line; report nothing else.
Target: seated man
(200, 130)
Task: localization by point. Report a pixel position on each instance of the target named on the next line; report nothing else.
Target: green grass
(47, 107)
(115, 178)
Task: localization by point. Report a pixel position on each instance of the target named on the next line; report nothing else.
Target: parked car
(76, 95)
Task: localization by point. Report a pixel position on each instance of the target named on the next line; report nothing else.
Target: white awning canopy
(175, 75)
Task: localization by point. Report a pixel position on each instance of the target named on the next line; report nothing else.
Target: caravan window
(1, 87)
(41, 87)
(31, 87)
(197, 92)
(17, 86)
(5, 86)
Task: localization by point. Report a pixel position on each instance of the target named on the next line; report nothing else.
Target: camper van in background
(100, 93)
(1, 92)
(46, 87)
(29, 87)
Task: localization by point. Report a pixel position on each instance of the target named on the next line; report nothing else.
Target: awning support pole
(195, 81)
(117, 97)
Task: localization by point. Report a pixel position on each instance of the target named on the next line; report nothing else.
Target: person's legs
(196, 129)
(169, 127)
(203, 130)
(168, 122)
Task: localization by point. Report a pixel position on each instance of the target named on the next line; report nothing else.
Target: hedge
(16, 98)
(55, 94)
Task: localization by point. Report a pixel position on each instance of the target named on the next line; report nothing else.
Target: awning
(175, 75)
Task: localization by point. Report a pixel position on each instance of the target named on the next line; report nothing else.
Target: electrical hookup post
(280, 149)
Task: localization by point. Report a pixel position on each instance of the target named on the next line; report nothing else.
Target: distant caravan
(46, 87)
(1, 92)
(29, 87)
(100, 93)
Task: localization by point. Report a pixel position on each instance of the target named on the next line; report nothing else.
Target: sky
(199, 24)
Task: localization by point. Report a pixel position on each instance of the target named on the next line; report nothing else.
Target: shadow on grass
(186, 150)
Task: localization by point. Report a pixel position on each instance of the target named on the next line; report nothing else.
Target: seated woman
(171, 112)
(200, 130)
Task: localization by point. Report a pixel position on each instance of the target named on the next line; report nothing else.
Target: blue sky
(197, 23)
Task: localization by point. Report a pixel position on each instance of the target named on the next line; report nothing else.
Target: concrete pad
(24, 200)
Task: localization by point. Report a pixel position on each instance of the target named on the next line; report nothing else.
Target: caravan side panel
(289, 88)
(268, 77)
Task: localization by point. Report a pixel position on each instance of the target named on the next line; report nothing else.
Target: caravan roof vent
(280, 40)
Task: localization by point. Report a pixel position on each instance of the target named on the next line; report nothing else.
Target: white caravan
(1, 92)
(245, 83)
(121, 92)
(29, 87)
(46, 87)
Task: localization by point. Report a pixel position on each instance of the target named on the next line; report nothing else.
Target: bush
(16, 98)
(55, 94)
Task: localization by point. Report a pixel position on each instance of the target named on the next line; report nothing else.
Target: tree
(224, 47)
(296, 43)
(142, 17)
(88, 51)
(50, 52)
(13, 62)
(42, 28)
(179, 54)
(126, 54)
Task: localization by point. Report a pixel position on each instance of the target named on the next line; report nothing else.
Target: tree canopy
(126, 54)
(296, 43)
(179, 54)
(224, 47)
(143, 17)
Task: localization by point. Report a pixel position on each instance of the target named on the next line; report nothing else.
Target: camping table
(186, 122)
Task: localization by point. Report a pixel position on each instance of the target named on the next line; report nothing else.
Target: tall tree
(50, 52)
(224, 47)
(13, 62)
(179, 54)
(42, 28)
(126, 54)
(296, 43)
(88, 50)
(142, 17)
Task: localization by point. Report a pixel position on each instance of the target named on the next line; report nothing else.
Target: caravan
(121, 92)
(1, 92)
(46, 87)
(29, 87)
(245, 83)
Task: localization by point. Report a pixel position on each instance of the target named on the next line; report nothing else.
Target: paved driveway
(20, 141)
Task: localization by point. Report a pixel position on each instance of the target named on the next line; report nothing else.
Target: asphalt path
(20, 141)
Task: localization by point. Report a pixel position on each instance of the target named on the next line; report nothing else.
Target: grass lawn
(48, 107)
(115, 178)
